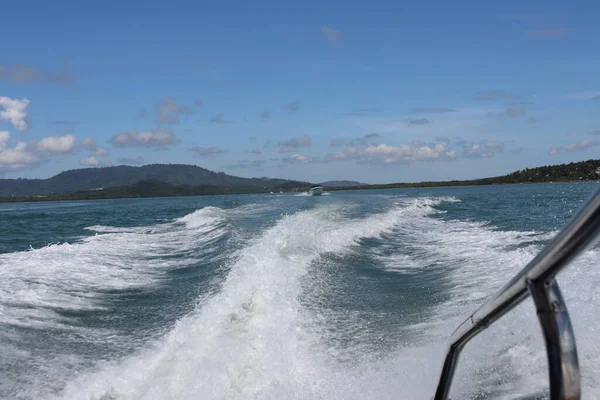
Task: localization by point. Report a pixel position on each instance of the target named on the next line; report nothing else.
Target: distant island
(167, 180)
(105, 178)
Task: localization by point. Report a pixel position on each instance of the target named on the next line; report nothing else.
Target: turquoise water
(351, 295)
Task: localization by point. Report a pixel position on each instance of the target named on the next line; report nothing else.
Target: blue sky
(368, 91)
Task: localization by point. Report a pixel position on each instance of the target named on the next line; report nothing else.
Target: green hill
(577, 171)
(172, 174)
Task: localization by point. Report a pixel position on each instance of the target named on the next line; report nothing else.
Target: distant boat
(316, 190)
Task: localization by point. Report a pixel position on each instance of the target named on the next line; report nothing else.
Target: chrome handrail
(537, 280)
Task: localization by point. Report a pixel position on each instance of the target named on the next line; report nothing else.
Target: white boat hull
(316, 191)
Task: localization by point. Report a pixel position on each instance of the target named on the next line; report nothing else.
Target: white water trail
(509, 358)
(73, 276)
(253, 339)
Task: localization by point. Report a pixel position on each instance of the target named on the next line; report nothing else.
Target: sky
(375, 92)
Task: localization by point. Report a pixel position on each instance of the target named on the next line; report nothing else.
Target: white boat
(316, 190)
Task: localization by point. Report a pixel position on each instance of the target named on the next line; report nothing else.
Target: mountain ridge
(174, 174)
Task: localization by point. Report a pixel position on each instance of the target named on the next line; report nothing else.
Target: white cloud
(56, 144)
(4, 136)
(154, 138)
(293, 144)
(90, 161)
(13, 159)
(100, 152)
(27, 74)
(168, 111)
(297, 159)
(206, 151)
(442, 149)
(90, 144)
(584, 144)
(14, 111)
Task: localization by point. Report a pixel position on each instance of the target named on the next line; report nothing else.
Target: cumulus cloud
(4, 137)
(441, 149)
(297, 159)
(26, 74)
(90, 162)
(293, 106)
(288, 146)
(494, 95)
(206, 151)
(387, 154)
(90, 144)
(14, 111)
(246, 164)
(419, 121)
(158, 138)
(515, 111)
(218, 119)
(168, 111)
(16, 158)
(434, 110)
(481, 149)
(139, 160)
(56, 144)
(330, 34)
(346, 154)
(359, 141)
(584, 144)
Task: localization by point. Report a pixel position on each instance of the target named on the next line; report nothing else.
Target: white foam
(253, 339)
(479, 260)
(72, 276)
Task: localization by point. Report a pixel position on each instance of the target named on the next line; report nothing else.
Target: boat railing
(537, 280)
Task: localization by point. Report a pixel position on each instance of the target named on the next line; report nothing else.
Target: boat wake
(256, 335)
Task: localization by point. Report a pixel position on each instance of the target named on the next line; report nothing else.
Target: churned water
(276, 296)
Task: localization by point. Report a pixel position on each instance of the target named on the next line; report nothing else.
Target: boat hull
(316, 191)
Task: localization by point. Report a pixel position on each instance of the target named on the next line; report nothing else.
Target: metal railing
(537, 280)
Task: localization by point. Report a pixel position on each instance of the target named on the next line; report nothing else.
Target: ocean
(351, 295)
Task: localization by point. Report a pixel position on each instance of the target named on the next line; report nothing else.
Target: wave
(477, 260)
(74, 276)
(253, 339)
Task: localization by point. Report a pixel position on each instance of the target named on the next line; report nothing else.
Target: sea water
(347, 296)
